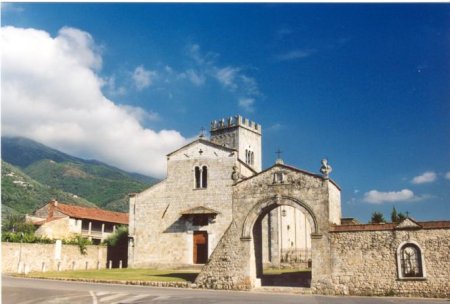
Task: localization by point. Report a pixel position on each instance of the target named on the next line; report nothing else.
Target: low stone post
(87, 265)
(43, 269)
(19, 267)
(59, 266)
(120, 264)
(109, 264)
(73, 265)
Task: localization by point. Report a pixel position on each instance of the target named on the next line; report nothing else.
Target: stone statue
(325, 169)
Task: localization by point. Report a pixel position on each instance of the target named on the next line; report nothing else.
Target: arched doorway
(279, 257)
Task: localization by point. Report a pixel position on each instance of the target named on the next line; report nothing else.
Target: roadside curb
(122, 282)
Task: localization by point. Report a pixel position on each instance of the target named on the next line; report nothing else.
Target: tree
(377, 217)
(394, 216)
(401, 217)
(17, 224)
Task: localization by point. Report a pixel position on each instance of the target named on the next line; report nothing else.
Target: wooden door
(200, 247)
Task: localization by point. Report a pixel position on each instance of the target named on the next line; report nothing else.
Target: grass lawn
(125, 274)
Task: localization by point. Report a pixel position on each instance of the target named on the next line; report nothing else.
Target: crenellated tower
(241, 134)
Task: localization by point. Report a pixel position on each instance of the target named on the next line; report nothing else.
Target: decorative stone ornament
(325, 169)
(235, 175)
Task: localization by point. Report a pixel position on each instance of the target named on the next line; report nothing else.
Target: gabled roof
(408, 223)
(199, 210)
(205, 142)
(289, 168)
(92, 213)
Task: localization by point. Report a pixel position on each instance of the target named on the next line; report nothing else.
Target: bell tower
(241, 134)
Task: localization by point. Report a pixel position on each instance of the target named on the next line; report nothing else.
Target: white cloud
(405, 195)
(295, 54)
(426, 177)
(195, 77)
(232, 78)
(247, 104)
(11, 7)
(139, 113)
(51, 93)
(447, 175)
(226, 76)
(143, 78)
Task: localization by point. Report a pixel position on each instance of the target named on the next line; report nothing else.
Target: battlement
(235, 121)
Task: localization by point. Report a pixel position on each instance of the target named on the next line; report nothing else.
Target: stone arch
(266, 205)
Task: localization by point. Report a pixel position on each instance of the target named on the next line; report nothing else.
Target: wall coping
(388, 226)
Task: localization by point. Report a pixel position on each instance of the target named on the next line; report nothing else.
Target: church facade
(219, 209)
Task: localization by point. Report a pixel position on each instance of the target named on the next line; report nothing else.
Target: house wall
(56, 229)
(364, 263)
(21, 257)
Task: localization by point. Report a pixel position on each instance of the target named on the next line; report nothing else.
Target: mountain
(104, 185)
(21, 194)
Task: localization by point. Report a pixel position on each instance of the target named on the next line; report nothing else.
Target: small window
(204, 177)
(201, 177)
(197, 177)
(410, 261)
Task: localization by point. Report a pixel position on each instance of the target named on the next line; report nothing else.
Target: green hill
(21, 194)
(104, 185)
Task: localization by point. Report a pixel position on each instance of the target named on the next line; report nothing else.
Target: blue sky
(365, 85)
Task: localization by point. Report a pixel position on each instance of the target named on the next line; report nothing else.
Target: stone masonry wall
(17, 257)
(162, 236)
(233, 264)
(364, 263)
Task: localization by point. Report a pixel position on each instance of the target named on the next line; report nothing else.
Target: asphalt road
(32, 291)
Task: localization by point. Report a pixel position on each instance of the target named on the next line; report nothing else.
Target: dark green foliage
(118, 237)
(20, 237)
(401, 217)
(16, 230)
(397, 217)
(82, 243)
(21, 194)
(106, 186)
(17, 223)
(394, 215)
(377, 217)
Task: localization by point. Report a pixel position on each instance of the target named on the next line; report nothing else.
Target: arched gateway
(235, 262)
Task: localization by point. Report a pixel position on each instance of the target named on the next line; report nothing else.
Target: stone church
(219, 209)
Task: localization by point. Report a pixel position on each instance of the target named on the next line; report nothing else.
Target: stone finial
(325, 169)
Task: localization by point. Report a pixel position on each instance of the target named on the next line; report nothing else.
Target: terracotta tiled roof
(388, 226)
(93, 214)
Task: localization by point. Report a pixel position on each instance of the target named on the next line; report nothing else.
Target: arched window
(201, 177)
(204, 177)
(197, 177)
(410, 261)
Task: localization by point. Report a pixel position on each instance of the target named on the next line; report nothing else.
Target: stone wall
(236, 262)
(161, 235)
(365, 263)
(24, 257)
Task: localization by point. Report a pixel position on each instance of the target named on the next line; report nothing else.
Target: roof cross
(202, 132)
(278, 152)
